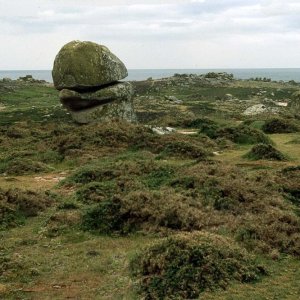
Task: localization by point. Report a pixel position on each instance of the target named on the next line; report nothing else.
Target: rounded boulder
(85, 65)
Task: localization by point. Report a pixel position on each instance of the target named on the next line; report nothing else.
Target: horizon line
(221, 68)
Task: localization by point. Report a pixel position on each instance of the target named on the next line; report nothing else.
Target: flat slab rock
(81, 100)
(82, 65)
(118, 109)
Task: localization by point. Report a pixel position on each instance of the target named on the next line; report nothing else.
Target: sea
(285, 74)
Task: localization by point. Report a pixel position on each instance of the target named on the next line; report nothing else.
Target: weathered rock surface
(117, 109)
(76, 101)
(87, 76)
(255, 110)
(83, 65)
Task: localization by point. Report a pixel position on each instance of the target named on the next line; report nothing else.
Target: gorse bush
(243, 134)
(21, 166)
(148, 210)
(90, 173)
(16, 205)
(185, 265)
(105, 218)
(205, 126)
(263, 151)
(94, 192)
(152, 196)
(277, 125)
(289, 180)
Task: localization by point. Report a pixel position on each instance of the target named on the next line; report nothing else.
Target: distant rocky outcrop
(87, 76)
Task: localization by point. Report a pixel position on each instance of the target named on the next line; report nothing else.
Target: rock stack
(87, 76)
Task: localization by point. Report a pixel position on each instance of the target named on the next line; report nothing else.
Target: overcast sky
(154, 34)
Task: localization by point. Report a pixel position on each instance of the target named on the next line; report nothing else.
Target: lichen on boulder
(81, 65)
(118, 109)
(87, 76)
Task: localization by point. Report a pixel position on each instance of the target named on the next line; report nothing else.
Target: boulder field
(87, 76)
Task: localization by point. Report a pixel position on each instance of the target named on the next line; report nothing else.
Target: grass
(163, 186)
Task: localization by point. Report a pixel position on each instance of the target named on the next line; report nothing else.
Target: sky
(154, 34)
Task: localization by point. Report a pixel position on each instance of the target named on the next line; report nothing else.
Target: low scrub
(16, 205)
(185, 265)
(243, 135)
(22, 166)
(143, 210)
(267, 152)
(277, 125)
(94, 192)
(205, 126)
(289, 180)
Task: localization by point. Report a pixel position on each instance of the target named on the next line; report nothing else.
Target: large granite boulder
(83, 65)
(87, 75)
(76, 101)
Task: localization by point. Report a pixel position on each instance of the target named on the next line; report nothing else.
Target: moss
(80, 65)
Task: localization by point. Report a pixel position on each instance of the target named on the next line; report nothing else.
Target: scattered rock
(282, 104)
(162, 130)
(255, 110)
(173, 99)
(228, 97)
(6, 80)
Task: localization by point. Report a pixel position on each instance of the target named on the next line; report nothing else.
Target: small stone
(173, 99)
(228, 97)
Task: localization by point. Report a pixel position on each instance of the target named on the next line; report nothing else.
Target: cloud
(211, 28)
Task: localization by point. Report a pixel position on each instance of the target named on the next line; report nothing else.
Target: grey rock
(228, 97)
(82, 65)
(75, 100)
(161, 130)
(173, 99)
(119, 109)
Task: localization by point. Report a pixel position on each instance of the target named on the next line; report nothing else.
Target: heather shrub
(205, 126)
(184, 149)
(16, 205)
(144, 210)
(275, 229)
(277, 125)
(264, 151)
(90, 173)
(243, 134)
(94, 192)
(22, 166)
(185, 265)
(289, 180)
(105, 218)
